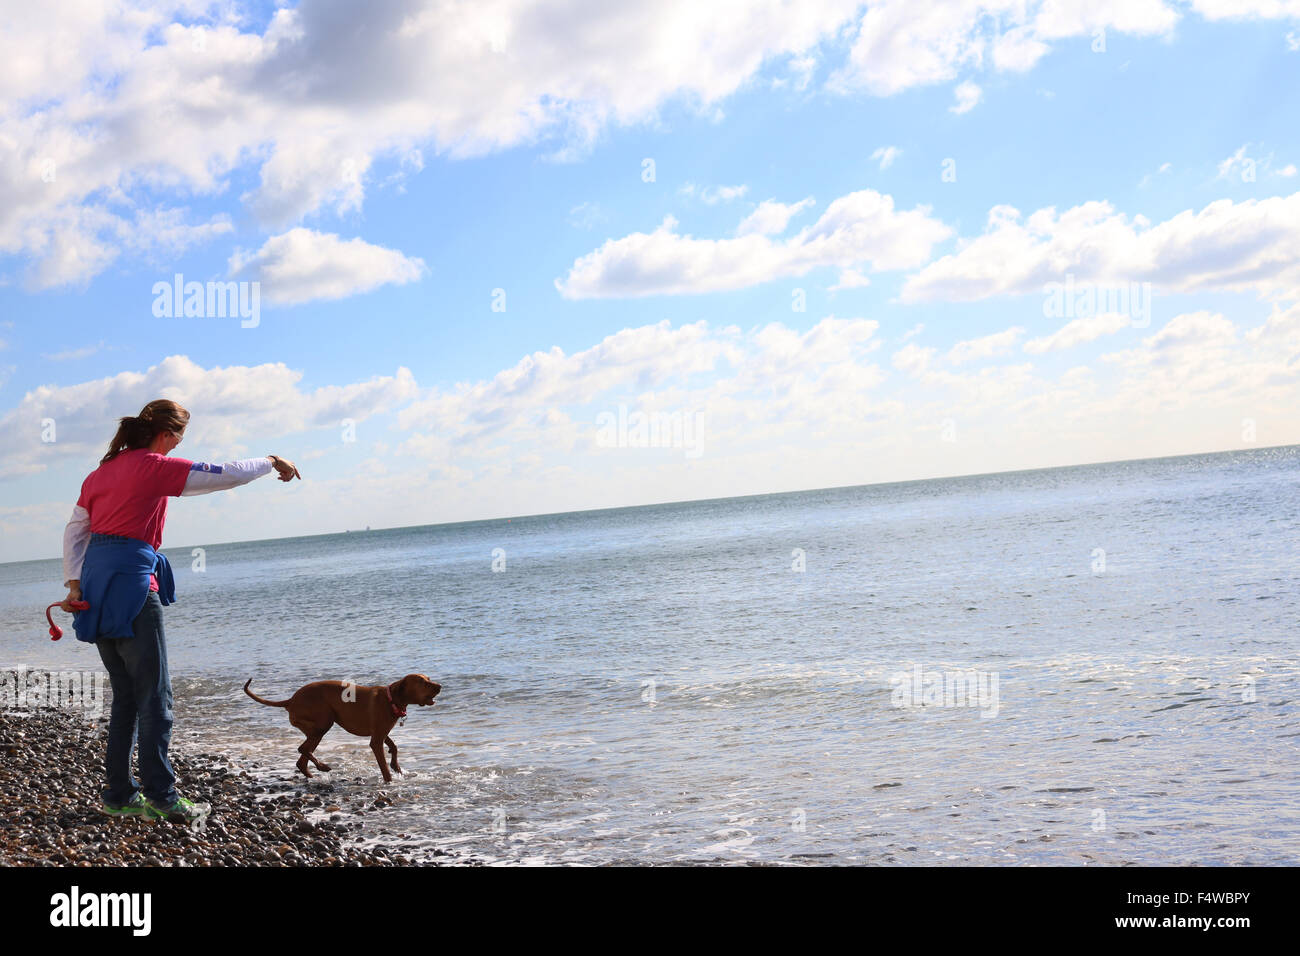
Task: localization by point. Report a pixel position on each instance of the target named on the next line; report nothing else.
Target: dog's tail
(263, 700)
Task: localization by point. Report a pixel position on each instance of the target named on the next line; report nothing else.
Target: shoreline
(51, 776)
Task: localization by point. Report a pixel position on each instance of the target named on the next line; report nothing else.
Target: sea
(1091, 665)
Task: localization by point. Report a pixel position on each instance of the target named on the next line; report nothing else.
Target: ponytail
(138, 431)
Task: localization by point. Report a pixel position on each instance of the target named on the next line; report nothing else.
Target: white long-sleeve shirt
(205, 478)
(202, 479)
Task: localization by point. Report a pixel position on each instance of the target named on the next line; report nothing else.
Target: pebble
(50, 784)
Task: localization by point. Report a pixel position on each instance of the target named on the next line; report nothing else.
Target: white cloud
(78, 353)
(831, 340)
(1061, 20)
(644, 357)
(1247, 9)
(886, 155)
(913, 359)
(850, 279)
(126, 103)
(74, 245)
(1146, 180)
(757, 385)
(1187, 347)
(302, 265)
(787, 408)
(1247, 246)
(901, 44)
(857, 229)
(229, 404)
(801, 72)
(712, 195)
(988, 346)
(771, 217)
(586, 215)
(1281, 331)
(1195, 329)
(1018, 50)
(78, 242)
(716, 194)
(1248, 169)
(50, 51)
(968, 97)
(1237, 163)
(1079, 332)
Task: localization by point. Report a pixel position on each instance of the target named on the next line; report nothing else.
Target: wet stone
(50, 809)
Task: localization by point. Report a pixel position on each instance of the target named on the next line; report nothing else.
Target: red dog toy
(55, 631)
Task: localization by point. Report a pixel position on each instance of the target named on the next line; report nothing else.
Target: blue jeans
(142, 693)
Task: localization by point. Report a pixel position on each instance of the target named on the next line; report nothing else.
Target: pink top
(128, 495)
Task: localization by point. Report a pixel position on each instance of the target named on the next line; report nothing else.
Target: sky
(509, 258)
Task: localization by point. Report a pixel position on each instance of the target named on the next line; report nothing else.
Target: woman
(111, 560)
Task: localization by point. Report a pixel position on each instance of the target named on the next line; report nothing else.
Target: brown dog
(364, 711)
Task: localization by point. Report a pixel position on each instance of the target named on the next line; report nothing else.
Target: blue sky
(379, 180)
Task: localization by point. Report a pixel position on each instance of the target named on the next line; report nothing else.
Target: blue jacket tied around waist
(115, 581)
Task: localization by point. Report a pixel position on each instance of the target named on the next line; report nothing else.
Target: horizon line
(686, 501)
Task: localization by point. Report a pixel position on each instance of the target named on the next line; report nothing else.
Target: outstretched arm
(204, 478)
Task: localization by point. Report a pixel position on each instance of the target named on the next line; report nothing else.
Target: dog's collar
(396, 712)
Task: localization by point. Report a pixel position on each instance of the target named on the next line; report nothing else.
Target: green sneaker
(182, 811)
(135, 807)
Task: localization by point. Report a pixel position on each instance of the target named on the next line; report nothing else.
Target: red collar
(396, 712)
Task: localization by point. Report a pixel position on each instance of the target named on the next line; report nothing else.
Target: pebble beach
(50, 810)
